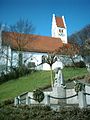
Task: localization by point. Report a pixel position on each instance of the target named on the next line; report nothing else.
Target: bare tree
(50, 59)
(68, 50)
(3, 53)
(86, 53)
(19, 35)
(82, 38)
(15, 34)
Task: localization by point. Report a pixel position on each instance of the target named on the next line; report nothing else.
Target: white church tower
(59, 29)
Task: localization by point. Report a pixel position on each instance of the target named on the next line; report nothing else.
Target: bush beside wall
(43, 113)
(14, 74)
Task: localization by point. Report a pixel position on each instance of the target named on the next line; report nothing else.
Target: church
(33, 46)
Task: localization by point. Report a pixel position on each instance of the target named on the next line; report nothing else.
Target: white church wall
(37, 58)
(29, 57)
(5, 53)
(46, 66)
(15, 59)
(5, 57)
(2, 60)
(9, 56)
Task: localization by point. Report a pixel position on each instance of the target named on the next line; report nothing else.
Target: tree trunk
(20, 62)
(11, 60)
(72, 61)
(51, 77)
(7, 59)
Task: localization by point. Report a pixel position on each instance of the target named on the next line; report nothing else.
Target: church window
(61, 30)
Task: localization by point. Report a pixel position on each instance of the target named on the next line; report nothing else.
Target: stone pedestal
(17, 101)
(28, 100)
(59, 92)
(47, 101)
(82, 99)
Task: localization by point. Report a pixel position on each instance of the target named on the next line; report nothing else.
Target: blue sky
(39, 12)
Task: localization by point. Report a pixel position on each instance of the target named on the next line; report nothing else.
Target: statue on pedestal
(59, 88)
(59, 79)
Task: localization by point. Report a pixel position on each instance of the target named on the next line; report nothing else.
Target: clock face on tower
(61, 32)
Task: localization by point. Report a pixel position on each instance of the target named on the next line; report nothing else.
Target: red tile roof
(60, 22)
(31, 43)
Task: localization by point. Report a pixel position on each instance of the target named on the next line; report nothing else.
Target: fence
(27, 99)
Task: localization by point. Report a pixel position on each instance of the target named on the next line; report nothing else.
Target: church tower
(59, 29)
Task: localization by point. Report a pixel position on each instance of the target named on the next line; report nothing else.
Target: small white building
(33, 46)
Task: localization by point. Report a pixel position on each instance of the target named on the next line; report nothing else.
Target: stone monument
(59, 88)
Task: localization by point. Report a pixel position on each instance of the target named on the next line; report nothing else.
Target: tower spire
(59, 29)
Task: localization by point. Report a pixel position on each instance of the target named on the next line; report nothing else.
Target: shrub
(79, 87)
(38, 95)
(14, 74)
(43, 113)
(8, 102)
(31, 65)
(21, 71)
(87, 78)
(80, 64)
(75, 78)
(2, 77)
(7, 77)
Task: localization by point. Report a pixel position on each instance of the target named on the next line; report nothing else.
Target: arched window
(60, 30)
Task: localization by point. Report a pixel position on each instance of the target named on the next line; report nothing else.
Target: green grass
(70, 72)
(13, 88)
(38, 79)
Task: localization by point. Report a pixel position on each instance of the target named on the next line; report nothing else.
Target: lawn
(37, 79)
(70, 72)
(13, 88)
